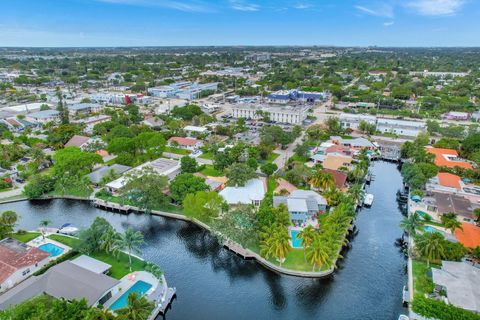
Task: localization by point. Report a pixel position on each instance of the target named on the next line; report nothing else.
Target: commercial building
(44, 116)
(83, 108)
(286, 96)
(406, 128)
(279, 114)
(352, 121)
(182, 90)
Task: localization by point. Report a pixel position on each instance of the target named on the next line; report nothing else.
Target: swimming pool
(430, 229)
(296, 240)
(140, 287)
(54, 250)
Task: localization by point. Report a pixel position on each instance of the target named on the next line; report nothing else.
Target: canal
(213, 283)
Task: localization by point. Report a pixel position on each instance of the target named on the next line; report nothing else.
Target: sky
(104, 23)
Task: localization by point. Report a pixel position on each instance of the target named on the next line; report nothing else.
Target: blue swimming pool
(140, 287)
(430, 229)
(296, 240)
(52, 249)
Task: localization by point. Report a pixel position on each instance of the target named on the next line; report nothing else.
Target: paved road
(12, 193)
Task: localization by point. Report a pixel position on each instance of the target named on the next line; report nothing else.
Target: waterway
(213, 283)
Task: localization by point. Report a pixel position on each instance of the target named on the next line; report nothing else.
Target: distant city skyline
(104, 23)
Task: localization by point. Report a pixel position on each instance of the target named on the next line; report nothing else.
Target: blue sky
(239, 22)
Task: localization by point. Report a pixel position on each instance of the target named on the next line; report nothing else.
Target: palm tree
(430, 246)
(130, 241)
(275, 243)
(333, 196)
(356, 192)
(44, 224)
(412, 223)
(138, 308)
(154, 269)
(450, 222)
(108, 240)
(307, 235)
(322, 180)
(318, 254)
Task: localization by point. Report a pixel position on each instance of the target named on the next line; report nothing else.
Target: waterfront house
(356, 143)
(191, 144)
(461, 283)
(340, 178)
(469, 235)
(18, 261)
(456, 203)
(96, 176)
(252, 192)
(335, 162)
(66, 280)
(448, 158)
(166, 167)
(303, 206)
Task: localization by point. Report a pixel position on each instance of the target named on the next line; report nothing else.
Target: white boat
(68, 230)
(368, 200)
(403, 317)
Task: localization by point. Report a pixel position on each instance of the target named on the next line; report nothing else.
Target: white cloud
(243, 6)
(187, 6)
(381, 10)
(388, 23)
(436, 7)
(302, 6)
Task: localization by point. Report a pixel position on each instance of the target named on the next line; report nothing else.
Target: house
(284, 186)
(355, 143)
(456, 203)
(302, 205)
(446, 182)
(66, 280)
(252, 193)
(18, 261)
(335, 162)
(469, 235)
(78, 141)
(461, 282)
(454, 115)
(185, 143)
(90, 122)
(96, 176)
(44, 116)
(16, 125)
(153, 122)
(194, 130)
(339, 176)
(165, 167)
(448, 158)
(83, 108)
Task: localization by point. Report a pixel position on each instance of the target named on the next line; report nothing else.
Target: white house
(252, 193)
(18, 261)
(400, 127)
(352, 121)
(44, 116)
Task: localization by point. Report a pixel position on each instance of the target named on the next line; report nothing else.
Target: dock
(238, 250)
(110, 206)
(161, 307)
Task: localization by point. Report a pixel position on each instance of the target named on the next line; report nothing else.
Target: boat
(403, 317)
(67, 229)
(368, 200)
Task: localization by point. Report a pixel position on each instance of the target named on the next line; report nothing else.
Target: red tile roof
(449, 180)
(442, 161)
(15, 255)
(184, 141)
(340, 177)
(469, 236)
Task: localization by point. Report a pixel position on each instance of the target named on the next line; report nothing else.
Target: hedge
(436, 309)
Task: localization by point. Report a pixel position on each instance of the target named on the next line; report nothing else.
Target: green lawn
(295, 157)
(120, 266)
(296, 261)
(26, 236)
(211, 171)
(207, 155)
(422, 282)
(272, 184)
(272, 156)
(178, 151)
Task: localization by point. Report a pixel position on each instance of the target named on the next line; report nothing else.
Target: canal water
(213, 283)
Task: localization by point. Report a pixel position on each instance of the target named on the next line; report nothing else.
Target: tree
(356, 193)
(188, 164)
(108, 240)
(138, 308)
(322, 180)
(184, 184)
(430, 246)
(450, 221)
(129, 241)
(268, 168)
(146, 189)
(72, 161)
(275, 242)
(238, 224)
(90, 240)
(476, 213)
(203, 205)
(239, 173)
(412, 224)
(307, 236)
(334, 126)
(60, 135)
(252, 163)
(318, 254)
(8, 220)
(44, 224)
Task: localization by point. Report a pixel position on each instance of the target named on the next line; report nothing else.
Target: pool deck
(38, 241)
